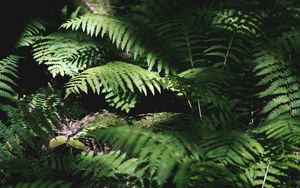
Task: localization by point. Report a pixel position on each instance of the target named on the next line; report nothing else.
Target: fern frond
(95, 24)
(225, 48)
(204, 85)
(48, 103)
(116, 79)
(183, 37)
(231, 148)
(32, 32)
(215, 121)
(97, 166)
(60, 163)
(35, 117)
(161, 152)
(42, 184)
(207, 173)
(265, 174)
(66, 53)
(282, 85)
(123, 34)
(247, 23)
(8, 72)
(286, 130)
(9, 147)
(124, 102)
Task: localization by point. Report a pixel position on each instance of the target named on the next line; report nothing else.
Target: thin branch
(228, 51)
(265, 177)
(189, 47)
(189, 102)
(199, 109)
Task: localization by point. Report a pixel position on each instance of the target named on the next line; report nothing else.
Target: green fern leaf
(240, 22)
(42, 184)
(32, 32)
(122, 33)
(161, 152)
(101, 165)
(66, 53)
(231, 148)
(286, 130)
(8, 70)
(116, 79)
(281, 83)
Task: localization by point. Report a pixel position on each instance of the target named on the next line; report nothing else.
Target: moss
(105, 120)
(165, 120)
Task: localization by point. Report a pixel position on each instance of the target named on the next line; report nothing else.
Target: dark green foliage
(8, 72)
(282, 85)
(123, 34)
(105, 165)
(227, 68)
(99, 168)
(285, 131)
(43, 184)
(202, 85)
(162, 152)
(119, 80)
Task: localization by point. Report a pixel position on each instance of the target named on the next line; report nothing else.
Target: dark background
(14, 14)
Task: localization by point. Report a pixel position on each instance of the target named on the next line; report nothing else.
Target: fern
(282, 85)
(42, 184)
(206, 55)
(207, 174)
(206, 92)
(8, 146)
(281, 139)
(183, 39)
(231, 148)
(265, 174)
(203, 88)
(116, 78)
(105, 165)
(8, 70)
(46, 102)
(34, 118)
(164, 153)
(122, 33)
(161, 152)
(220, 120)
(32, 32)
(124, 102)
(60, 162)
(98, 167)
(289, 41)
(239, 22)
(66, 53)
(225, 49)
(286, 130)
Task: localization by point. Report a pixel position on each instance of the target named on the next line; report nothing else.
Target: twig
(228, 51)
(199, 109)
(265, 177)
